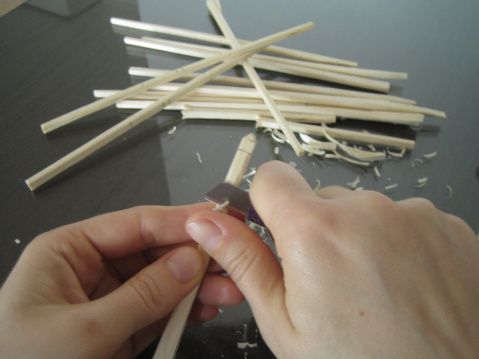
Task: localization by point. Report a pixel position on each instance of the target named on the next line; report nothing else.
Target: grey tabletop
(50, 64)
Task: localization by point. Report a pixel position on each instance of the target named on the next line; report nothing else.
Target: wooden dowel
(298, 98)
(217, 39)
(403, 118)
(369, 73)
(354, 136)
(101, 104)
(101, 140)
(194, 51)
(255, 79)
(252, 115)
(278, 85)
(171, 336)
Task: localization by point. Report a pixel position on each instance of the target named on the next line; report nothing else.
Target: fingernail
(185, 264)
(206, 233)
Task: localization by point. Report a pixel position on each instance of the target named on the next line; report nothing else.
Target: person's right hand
(360, 276)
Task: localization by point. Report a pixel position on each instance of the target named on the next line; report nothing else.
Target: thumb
(152, 293)
(248, 261)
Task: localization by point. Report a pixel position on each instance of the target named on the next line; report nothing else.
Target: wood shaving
(354, 184)
(421, 182)
(399, 154)
(318, 186)
(244, 345)
(312, 150)
(172, 130)
(278, 136)
(371, 147)
(251, 172)
(359, 189)
(293, 164)
(17, 241)
(416, 162)
(276, 150)
(199, 157)
(316, 144)
(391, 186)
(221, 207)
(450, 192)
(331, 156)
(357, 155)
(376, 172)
(429, 156)
(351, 160)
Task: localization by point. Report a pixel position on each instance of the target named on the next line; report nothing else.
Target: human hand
(360, 276)
(96, 288)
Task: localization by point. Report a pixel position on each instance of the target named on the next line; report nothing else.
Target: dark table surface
(51, 64)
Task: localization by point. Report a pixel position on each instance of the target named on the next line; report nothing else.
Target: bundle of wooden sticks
(284, 108)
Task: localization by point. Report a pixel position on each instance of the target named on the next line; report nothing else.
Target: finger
(284, 201)
(156, 253)
(152, 293)
(249, 262)
(332, 192)
(276, 190)
(202, 313)
(219, 290)
(118, 234)
(128, 266)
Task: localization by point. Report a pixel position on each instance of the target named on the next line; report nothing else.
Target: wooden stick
(101, 104)
(217, 39)
(171, 336)
(252, 115)
(253, 75)
(277, 85)
(411, 119)
(368, 73)
(355, 136)
(123, 126)
(346, 103)
(192, 50)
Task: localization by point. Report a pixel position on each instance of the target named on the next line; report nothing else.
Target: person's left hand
(101, 287)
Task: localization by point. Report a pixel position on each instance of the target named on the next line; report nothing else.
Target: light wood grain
(354, 136)
(255, 79)
(218, 39)
(114, 132)
(9, 5)
(171, 336)
(278, 85)
(101, 104)
(201, 51)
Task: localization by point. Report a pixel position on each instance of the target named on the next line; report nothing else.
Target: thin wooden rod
(278, 85)
(368, 73)
(307, 98)
(412, 119)
(354, 136)
(101, 104)
(192, 50)
(114, 132)
(171, 336)
(300, 98)
(218, 39)
(252, 115)
(255, 79)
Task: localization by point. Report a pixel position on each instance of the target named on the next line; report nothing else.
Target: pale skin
(360, 276)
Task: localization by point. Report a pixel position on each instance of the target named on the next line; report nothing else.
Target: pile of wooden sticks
(284, 108)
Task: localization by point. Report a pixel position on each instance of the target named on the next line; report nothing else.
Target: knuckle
(148, 292)
(377, 202)
(242, 262)
(422, 203)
